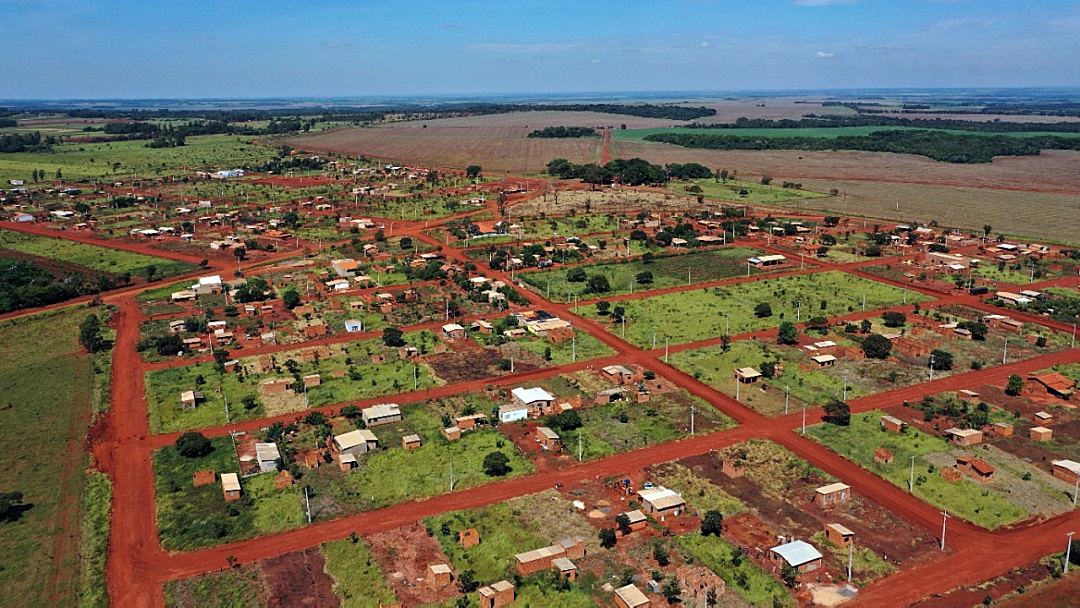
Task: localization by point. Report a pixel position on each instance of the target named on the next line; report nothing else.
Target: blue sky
(197, 48)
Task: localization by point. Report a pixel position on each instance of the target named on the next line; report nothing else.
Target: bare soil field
(298, 579)
(539, 120)
(496, 149)
(404, 555)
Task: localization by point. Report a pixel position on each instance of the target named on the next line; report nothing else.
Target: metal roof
(797, 552)
(1068, 464)
(632, 596)
(662, 498)
(529, 395)
(841, 530)
(547, 433)
(230, 482)
(382, 410)
(267, 451)
(833, 487)
(354, 438)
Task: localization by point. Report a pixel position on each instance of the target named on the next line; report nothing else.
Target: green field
(163, 387)
(842, 294)
(358, 581)
(240, 587)
(742, 576)
(193, 518)
(983, 504)
(98, 258)
(667, 271)
(585, 346)
(96, 161)
(502, 536)
(48, 385)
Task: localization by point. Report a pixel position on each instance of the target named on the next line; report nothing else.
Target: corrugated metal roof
(833, 487)
(797, 552)
(267, 451)
(230, 482)
(632, 596)
(529, 395)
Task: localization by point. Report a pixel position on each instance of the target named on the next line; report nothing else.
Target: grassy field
(583, 348)
(236, 588)
(842, 294)
(193, 518)
(48, 385)
(91, 256)
(94, 546)
(621, 426)
(984, 504)
(702, 494)
(163, 387)
(715, 367)
(358, 581)
(502, 536)
(756, 192)
(667, 271)
(97, 161)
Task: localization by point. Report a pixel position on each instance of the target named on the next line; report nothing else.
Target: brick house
(547, 438)
(1066, 470)
(893, 424)
(496, 595)
(838, 534)
(976, 468)
(832, 494)
(230, 486)
(963, 437)
(439, 575)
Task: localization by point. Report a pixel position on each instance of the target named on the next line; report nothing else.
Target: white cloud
(594, 61)
(705, 45)
(825, 55)
(338, 45)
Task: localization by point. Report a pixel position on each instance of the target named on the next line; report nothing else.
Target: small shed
(838, 534)
(883, 456)
(452, 433)
(565, 568)
(411, 442)
(1043, 418)
(638, 521)
(966, 395)
(832, 494)
(976, 468)
(496, 595)
(630, 597)
(230, 486)
(963, 437)
(747, 375)
(1002, 429)
(798, 554)
(468, 537)
(1040, 434)
(267, 454)
(547, 438)
(353, 326)
(893, 424)
(439, 575)
(189, 399)
(824, 360)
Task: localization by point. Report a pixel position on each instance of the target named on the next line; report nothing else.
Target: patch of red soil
(1063, 594)
(298, 579)
(404, 554)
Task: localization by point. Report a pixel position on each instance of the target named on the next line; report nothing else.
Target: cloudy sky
(240, 48)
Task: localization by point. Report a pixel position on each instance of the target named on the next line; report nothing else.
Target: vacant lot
(44, 414)
(101, 259)
(358, 580)
(663, 271)
(730, 309)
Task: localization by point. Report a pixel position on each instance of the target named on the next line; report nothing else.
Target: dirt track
(138, 566)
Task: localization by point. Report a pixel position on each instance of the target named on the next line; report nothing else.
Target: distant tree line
(563, 132)
(26, 142)
(811, 121)
(945, 147)
(633, 172)
(1049, 108)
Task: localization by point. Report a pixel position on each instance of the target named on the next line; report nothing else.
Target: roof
(893, 419)
(962, 432)
(230, 482)
(541, 553)
(1043, 415)
(766, 258)
(797, 552)
(635, 516)
(411, 438)
(528, 395)
(449, 327)
(1055, 381)
(747, 372)
(840, 529)
(440, 568)
(563, 564)
(823, 358)
(547, 433)
(978, 464)
(833, 487)
(267, 451)
(631, 596)
(495, 588)
(1041, 429)
(1068, 464)
(354, 438)
(382, 410)
(662, 498)
(616, 369)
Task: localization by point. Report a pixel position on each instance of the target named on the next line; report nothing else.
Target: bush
(837, 412)
(496, 464)
(894, 319)
(607, 538)
(763, 310)
(713, 523)
(193, 445)
(877, 346)
(941, 360)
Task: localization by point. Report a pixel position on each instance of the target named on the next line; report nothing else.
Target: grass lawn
(91, 256)
(975, 502)
(585, 346)
(163, 387)
(240, 587)
(48, 386)
(358, 581)
(730, 310)
(94, 546)
(621, 426)
(667, 271)
(743, 576)
(502, 536)
(193, 518)
(756, 193)
(715, 367)
(702, 494)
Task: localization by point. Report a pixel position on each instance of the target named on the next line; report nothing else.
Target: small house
(483, 327)
(824, 360)
(565, 568)
(1002, 429)
(976, 468)
(547, 438)
(230, 485)
(468, 537)
(452, 433)
(452, 331)
(638, 521)
(353, 326)
(439, 575)
(798, 554)
(1066, 470)
(513, 412)
(538, 559)
(1056, 384)
(496, 595)
(747, 375)
(406, 353)
(535, 399)
(838, 535)
(966, 396)
(383, 413)
(267, 455)
(189, 399)
(630, 597)
(1043, 418)
(617, 374)
(410, 442)
(892, 424)
(661, 501)
(355, 442)
(963, 437)
(832, 494)
(1040, 434)
(470, 422)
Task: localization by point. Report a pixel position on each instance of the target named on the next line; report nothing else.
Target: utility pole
(665, 348)
(737, 385)
(308, 502)
(227, 421)
(511, 362)
(944, 518)
(415, 376)
(573, 349)
(850, 556)
(1005, 351)
(931, 367)
(786, 395)
(911, 481)
(845, 386)
(624, 326)
(1068, 551)
(1076, 486)
(654, 337)
(803, 431)
(579, 452)
(692, 408)
(451, 474)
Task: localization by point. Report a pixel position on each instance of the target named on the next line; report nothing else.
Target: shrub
(193, 445)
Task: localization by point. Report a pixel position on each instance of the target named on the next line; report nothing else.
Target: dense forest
(23, 285)
(811, 121)
(563, 132)
(633, 172)
(25, 142)
(945, 147)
